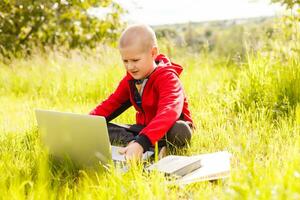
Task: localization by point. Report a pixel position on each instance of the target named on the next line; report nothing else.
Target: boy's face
(138, 62)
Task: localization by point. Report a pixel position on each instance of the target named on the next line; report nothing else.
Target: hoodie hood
(164, 63)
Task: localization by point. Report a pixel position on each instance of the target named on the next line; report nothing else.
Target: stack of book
(190, 169)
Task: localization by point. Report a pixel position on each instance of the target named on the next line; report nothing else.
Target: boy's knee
(180, 134)
(118, 134)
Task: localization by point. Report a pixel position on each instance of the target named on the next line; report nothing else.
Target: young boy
(152, 86)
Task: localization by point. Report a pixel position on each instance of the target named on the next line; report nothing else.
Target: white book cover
(213, 166)
(176, 165)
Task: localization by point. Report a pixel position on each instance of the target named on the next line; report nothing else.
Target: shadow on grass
(65, 171)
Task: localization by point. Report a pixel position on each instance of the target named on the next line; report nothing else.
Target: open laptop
(82, 138)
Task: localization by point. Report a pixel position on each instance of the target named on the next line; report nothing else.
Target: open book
(190, 169)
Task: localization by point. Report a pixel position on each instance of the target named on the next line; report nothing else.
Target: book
(214, 166)
(176, 165)
(191, 169)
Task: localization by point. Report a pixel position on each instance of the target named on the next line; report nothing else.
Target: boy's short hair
(138, 32)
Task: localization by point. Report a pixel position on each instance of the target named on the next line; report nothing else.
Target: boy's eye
(125, 61)
(135, 60)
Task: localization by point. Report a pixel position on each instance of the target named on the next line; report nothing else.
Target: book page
(214, 166)
(176, 165)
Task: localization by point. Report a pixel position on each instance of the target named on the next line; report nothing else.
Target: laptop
(82, 138)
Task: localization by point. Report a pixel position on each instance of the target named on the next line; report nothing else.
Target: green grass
(251, 109)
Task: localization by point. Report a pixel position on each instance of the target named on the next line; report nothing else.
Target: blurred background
(225, 27)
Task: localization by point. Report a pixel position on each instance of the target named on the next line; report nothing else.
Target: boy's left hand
(133, 151)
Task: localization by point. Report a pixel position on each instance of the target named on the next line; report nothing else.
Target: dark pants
(178, 135)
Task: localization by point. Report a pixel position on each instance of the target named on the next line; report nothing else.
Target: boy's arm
(115, 104)
(170, 105)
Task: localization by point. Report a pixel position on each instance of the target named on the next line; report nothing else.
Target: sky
(158, 12)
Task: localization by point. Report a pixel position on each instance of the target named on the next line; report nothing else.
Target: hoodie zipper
(143, 112)
(140, 108)
(144, 88)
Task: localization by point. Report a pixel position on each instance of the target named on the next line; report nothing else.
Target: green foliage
(25, 24)
(250, 108)
(231, 39)
(271, 75)
(288, 3)
(266, 157)
(269, 85)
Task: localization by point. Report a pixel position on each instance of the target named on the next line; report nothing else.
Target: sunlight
(174, 11)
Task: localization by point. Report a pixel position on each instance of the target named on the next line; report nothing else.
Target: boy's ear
(154, 52)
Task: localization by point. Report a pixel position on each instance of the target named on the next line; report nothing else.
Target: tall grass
(250, 108)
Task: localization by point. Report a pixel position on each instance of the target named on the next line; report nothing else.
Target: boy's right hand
(133, 151)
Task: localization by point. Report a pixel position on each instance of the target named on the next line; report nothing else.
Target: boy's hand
(133, 151)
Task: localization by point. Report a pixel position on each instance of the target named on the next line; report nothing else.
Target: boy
(152, 86)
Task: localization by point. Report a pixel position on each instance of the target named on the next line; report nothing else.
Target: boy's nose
(130, 66)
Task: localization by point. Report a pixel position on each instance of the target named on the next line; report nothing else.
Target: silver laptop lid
(82, 138)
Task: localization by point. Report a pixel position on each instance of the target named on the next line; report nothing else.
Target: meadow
(249, 107)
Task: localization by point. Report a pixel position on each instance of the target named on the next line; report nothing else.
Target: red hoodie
(163, 102)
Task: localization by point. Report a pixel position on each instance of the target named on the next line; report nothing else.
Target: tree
(288, 3)
(24, 23)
